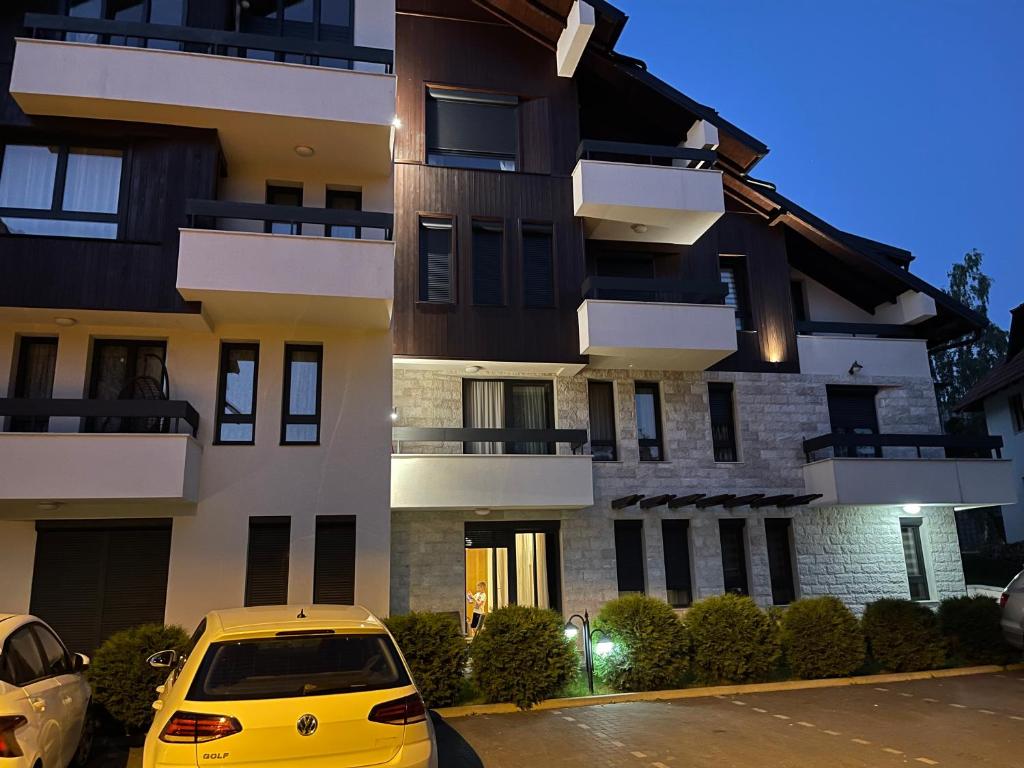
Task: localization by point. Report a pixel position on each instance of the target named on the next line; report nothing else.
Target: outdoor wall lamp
(394, 414)
(856, 368)
(603, 647)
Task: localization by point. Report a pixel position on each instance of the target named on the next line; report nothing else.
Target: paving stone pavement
(967, 722)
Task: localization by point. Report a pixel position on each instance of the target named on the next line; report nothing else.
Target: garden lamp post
(572, 632)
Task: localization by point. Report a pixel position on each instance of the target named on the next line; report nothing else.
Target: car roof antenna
(301, 614)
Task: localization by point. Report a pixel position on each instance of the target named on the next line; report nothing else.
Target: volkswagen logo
(307, 725)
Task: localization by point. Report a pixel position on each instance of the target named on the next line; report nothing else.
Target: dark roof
(1006, 374)
(900, 255)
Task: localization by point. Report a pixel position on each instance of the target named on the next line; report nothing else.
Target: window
(266, 572)
(517, 561)
(1017, 411)
(538, 266)
(334, 566)
(24, 658)
(469, 129)
(508, 404)
(629, 556)
(913, 553)
(58, 660)
(732, 533)
(327, 20)
(488, 263)
(851, 411)
(796, 292)
(733, 270)
(300, 412)
(344, 200)
(648, 422)
(59, 191)
(437, 261)
(602, 420)
(127, 369)
(723, 426)
(37, 360)
(169, 12)
(282, 195)
(236, 393)
(675, 536)
(780, 559)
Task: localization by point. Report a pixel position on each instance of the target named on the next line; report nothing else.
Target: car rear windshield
(286, 667)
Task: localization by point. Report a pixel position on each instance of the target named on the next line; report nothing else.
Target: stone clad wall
(855, 553)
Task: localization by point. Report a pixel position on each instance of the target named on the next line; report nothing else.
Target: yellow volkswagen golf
(317, 686)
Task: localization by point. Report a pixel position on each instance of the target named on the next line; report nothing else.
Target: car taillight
(192, 728)
(1003, 598)
(404, 711)
(8, 744)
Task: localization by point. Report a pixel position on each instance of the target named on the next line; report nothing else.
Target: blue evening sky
(899, 120)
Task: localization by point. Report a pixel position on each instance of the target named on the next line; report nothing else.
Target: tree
(960, 368)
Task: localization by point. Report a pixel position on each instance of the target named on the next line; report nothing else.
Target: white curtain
(531, 570)
(26, 180)
(93, 180)
(485, 408)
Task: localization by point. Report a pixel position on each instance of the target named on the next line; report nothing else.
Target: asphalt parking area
(966, 721)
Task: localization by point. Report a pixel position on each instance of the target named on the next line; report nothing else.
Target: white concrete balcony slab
(655, 335)
(262, 110)
(947, 482)
(492, 480)
(43, 467)
(834, 355)
(647, 203)
(252, 277)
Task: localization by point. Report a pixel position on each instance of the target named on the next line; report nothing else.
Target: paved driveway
(968, 721)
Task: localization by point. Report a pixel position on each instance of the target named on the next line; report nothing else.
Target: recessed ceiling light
(48, 506)
(638, 228)
(912, 509)
(65, 321)
(304, 151)
(473, 369)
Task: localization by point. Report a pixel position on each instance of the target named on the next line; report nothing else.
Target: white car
(316, 686)
(1012, 603)
(44, 698)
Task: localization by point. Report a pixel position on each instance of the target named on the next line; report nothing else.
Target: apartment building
(357, 300)
(623, 364)
(196, 285)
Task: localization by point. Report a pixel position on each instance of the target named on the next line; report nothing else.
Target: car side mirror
(79, 662)
(163, 659)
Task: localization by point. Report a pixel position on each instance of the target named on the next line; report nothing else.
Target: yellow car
(315, 686)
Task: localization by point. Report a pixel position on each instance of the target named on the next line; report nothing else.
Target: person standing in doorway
(479, 601)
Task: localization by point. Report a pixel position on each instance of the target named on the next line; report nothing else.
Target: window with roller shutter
(266, 573)
(334, 567)
(723, 422)
(437, 261)
(538, 266)
(629, 556)
(488, 259)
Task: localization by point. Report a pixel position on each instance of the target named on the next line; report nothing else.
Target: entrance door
(37, 360)
(127, 370)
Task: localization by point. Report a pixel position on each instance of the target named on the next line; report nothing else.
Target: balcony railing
(954, 446)
(508, 437)
(118, 416)
(205, 214)
(196, 40)
(881, 330)
(647, 154)
(655, 289)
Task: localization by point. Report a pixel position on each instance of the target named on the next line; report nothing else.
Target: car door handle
(38, 705)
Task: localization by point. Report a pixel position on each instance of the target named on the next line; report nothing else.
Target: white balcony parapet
(835, 356)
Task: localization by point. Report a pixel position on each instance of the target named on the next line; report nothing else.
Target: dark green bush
(971, 628)
(522, 656)
(822, 638)
(651, 645)
(436, 652)
(903, 636)
(734, 641)
(122, 682)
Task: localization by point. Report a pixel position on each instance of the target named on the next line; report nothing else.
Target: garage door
(93, 578)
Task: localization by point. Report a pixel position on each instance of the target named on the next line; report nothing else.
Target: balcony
(880, 349)
(261, 109)
(646, 193)
(890, 469)
(293, 279)
(674, 325)
(143, 458)
(486, 481)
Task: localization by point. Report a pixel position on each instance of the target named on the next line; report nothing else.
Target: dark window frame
(223, 418)
(501, 534)
(56, 211)
(1016, 404)
(133, 346)
(488, 224)
(549, 407)
(343, 194)
(612, 444)
(786, 592)
(431, 155)
(426, 221)
(726, 526)
(267, 521)
(658, 442)
(536, 227)
(738, 265)
(288, 418)
(678, 573)
(835, 392)
(34, 423)
(630, 527)
(798, 296)
(274, 189)
(287, 28)
(914, 524)
(323, 523)
(730, 446)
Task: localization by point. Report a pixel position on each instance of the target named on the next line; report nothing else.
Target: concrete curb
(725, 690)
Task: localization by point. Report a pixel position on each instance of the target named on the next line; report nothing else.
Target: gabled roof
(1007, 374)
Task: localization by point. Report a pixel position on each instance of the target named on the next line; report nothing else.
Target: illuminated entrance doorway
(517, 562)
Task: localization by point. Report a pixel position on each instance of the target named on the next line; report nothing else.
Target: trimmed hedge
(903, 636)
(651, 644)
(971, 628)
(436, 652)
(521, 655)
(122, 682)
(734, 641)
(822, 638)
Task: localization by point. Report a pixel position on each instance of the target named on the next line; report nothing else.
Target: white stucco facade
(1000, 422)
